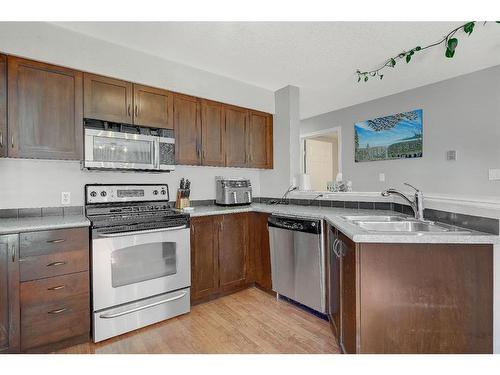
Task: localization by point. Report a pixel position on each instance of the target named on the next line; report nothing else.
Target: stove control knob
(103, 193)
(93, 194)
(155, 192)
(163, 192)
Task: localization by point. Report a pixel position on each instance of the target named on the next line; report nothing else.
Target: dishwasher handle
(295, 224)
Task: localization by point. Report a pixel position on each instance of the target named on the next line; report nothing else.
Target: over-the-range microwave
(116, 146)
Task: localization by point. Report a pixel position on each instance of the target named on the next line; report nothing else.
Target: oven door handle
(123, 234)
(111, 316)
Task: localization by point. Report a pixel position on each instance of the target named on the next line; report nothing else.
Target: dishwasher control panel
(295, 223)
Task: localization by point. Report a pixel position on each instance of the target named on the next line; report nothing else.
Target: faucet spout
(417, 204)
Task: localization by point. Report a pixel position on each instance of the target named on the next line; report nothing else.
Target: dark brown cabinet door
(212, 133)
(233, 251)
(9, 293)
(3, 106)
(259, 246)
(260, 140)
(44, 110)
(334, 290)
(236, 120)
(348, 294)
(187, 130)
(153, 107)
(107, 99)
(204, 256)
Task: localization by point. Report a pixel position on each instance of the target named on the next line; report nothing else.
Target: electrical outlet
(65, 197)
(494, 174)
(381, 177)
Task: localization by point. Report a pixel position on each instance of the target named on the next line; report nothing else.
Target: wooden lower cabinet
(55, 288)
(415, 298)
(9, 293)
(228, 252)
(204, 256)
(259, 250)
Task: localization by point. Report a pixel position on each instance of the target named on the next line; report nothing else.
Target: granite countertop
(30, 224)
(354, 232)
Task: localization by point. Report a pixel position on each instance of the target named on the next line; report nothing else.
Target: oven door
(116, 150)
(129, 267)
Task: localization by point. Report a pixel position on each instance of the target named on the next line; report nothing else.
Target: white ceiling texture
(319, 57)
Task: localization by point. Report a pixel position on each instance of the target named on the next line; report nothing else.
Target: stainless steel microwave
(112, 146)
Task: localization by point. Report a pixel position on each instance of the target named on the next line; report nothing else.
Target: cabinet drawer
(53, 289)
(61, 263)
(55, 321)
(53, 241)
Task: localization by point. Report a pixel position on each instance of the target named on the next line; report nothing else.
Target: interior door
(204, 256)
(260, 138)
(3, 106)
(153, 107)
(44, 110)
(233, 251)
(9, 293)
(235, 121)
(107, 99)
(212, 133)
(187, 130)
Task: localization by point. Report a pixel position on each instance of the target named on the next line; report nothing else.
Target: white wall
(39, 183)
(29, 183)
(286, 144)
(461, 114)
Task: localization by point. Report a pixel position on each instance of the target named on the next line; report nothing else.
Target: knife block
(180, 201)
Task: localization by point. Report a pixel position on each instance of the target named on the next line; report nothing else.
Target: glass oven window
(138, 263)
(123, 150)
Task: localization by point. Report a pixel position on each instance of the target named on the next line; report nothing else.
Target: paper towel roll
(304, 182)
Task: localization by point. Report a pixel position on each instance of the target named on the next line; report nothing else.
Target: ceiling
(318, 57)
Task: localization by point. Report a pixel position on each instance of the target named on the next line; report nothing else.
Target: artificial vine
(449, 41)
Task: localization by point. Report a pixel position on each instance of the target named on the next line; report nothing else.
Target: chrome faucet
(417, 204)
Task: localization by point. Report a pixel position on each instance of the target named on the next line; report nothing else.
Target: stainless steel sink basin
(377, 218)
(408, 226)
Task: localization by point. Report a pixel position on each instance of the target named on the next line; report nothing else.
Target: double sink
(393, 223)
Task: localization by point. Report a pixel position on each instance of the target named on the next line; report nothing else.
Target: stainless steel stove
(140, 257)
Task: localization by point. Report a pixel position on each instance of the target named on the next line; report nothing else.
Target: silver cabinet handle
(59, 287)
(58, 311)
(141, 232)
(12, 141)
(56, 241)
(128, 110)
(56, 264)
(111, 316)
(136, 111)
(1, 139)
(13, 249)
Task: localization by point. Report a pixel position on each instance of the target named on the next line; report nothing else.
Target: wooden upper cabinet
(108, 99)
(44, 110)
(236, 149)
(3, 106)
(187, 130)
(233, 251)
(153, 107)
(212, 133)
(260, 140)
(9, 294)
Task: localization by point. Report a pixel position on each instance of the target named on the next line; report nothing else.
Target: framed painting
(397, 136)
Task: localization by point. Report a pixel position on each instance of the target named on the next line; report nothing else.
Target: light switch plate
(381, 177)
(65, 197)
(494, 174)
(451, 155)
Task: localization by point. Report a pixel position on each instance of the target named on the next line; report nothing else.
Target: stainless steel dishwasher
(298, 260)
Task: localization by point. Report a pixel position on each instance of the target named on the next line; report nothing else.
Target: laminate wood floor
(250, 321)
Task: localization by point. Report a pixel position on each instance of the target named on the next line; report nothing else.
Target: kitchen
(151, 205)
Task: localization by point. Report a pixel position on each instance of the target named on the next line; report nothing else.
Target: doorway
(321, 157)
